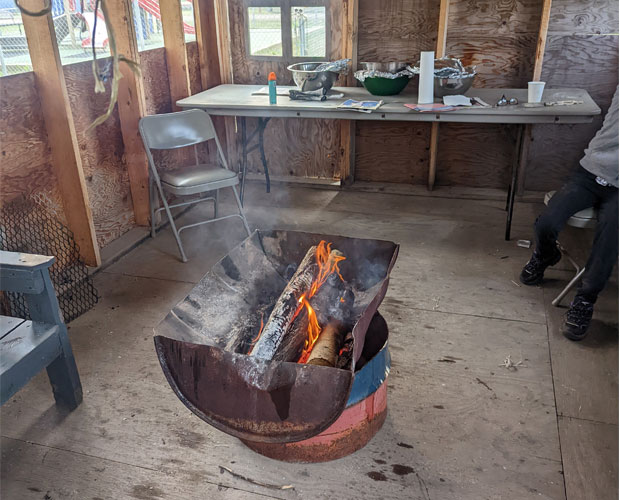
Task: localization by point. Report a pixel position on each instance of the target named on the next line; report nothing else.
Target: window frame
(285, 29)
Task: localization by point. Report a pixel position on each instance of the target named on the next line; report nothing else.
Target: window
(147, 21)
(189, 23)
(265, 30)
(14, 55)
(308, 31)
(287, 29)
(74, 21)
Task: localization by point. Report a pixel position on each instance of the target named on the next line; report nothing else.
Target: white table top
(237, 100)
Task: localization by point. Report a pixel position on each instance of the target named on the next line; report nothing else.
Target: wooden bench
(28, 346)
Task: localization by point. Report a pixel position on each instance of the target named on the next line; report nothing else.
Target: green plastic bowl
(385, 86)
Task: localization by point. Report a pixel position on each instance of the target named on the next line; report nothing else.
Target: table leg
(244, 158)
(262, 124)
(513, 181)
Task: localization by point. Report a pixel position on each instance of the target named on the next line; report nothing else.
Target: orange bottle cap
(272, 76)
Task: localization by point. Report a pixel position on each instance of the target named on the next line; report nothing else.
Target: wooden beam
(538, 65)
(440, 51)
(176, 53)
(66, 161)
(131, 107)
(205, 20)
(347, 127)
(226, 127)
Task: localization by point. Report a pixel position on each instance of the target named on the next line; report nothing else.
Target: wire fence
(265, 29)
(79, 31)
(308, 31)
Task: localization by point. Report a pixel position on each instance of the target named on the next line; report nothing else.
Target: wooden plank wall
(294, 147)
(26, 168)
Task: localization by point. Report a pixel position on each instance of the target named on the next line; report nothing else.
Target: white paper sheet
(456, 100)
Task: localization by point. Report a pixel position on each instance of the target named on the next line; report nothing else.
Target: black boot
(578, 319)
(534, 270)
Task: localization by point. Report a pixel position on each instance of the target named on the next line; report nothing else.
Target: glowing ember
(262, 325)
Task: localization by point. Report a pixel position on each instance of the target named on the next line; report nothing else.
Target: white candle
(427, 76)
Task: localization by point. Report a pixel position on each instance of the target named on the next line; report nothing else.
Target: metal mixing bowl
(385, 67)
(308, 80)
(452, 86)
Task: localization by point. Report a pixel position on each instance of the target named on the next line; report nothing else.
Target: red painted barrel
(354, 428)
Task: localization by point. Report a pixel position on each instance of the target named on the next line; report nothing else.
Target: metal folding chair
(178, 130)
(584, 219)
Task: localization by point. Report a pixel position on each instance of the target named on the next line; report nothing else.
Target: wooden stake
(66, 161)
(176, 53)
(131, 107)
(440, 51)
(347, 127)
(538, 64)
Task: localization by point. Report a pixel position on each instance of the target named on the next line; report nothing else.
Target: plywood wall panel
(503, 17)
(24, 151)
(102, 153)
(392, 152)
(156, 84)
(475, 155)
(584, 17)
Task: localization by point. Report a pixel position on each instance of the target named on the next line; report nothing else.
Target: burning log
(325, 351)
(293, 319)
(287, 305)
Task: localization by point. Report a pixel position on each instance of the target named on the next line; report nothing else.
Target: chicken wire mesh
(14, 55)
(27, 226)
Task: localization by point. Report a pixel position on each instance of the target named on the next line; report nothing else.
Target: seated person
(595, 184)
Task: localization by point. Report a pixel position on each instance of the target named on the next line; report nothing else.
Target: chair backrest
(176, 130)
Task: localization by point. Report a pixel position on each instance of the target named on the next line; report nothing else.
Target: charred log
(283, 314)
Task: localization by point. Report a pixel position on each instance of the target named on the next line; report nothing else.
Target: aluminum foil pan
(448, 67)
(362, 74)
(341, 66)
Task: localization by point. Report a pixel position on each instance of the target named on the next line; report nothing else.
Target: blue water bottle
(272, 88)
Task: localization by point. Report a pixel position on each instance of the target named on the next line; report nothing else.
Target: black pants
(582, 191)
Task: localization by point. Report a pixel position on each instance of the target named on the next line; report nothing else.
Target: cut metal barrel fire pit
(205, 343)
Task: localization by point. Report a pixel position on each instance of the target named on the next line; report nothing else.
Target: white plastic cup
(535, 91)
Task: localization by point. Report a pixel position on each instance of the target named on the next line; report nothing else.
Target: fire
(327, 266)
(255, 339)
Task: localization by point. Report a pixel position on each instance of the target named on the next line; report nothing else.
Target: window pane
(147, 20)
(74, 22)
(189, 26)
(14, 55)
(308, 31)
(265, 29)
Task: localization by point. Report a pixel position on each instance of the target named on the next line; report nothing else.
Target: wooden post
(207, 40)
(131, 107)
(442, 34)
(347, 127)
(176, 53)
(538, 62)
(66, 161)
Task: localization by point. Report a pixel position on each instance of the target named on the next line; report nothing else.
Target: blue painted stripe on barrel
(371, 376)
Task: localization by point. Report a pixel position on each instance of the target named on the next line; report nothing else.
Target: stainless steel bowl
(452, 86)
(308, 80)
(385, 67)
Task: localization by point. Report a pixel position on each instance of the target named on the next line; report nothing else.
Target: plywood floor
(466, 429)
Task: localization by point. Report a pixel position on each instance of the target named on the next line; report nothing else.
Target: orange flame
(328, 264)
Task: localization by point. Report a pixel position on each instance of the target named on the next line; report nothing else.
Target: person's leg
(598, 268)
(578, 193)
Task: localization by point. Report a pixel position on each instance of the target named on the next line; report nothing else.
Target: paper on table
(280, 90)
(456, 100)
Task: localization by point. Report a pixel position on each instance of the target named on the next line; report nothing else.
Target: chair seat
(196, 175)
(584, 218)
